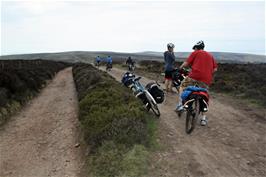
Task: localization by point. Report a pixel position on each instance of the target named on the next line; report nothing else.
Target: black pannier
(156, 92)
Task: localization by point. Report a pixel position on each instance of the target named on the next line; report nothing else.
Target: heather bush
(116, 126)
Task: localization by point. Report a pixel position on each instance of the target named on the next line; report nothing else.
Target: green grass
(116, 126)
(112, 159)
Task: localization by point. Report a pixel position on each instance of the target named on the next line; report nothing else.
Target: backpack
(156, 92)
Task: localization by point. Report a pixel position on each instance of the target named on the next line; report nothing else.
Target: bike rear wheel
(192, 116)
(155, 109)
(153, 105)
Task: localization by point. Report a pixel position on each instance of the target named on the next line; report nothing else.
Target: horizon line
(126, 52)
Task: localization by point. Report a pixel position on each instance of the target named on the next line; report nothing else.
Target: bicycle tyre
(192, 116)
(153, 104)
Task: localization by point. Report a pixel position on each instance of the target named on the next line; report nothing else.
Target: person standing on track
(169, 59)
(203, 66)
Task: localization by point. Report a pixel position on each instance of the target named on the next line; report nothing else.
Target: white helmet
(170, 45)
(199, 45)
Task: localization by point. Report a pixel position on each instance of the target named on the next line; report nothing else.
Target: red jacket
(203, 65)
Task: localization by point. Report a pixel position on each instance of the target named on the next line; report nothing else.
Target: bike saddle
(137, 79)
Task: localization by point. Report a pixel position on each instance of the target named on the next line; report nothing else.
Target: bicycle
(109, 66)
(131, 67)
(194, 105)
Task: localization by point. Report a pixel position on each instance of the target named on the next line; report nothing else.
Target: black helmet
(199, 45)
(170, 45)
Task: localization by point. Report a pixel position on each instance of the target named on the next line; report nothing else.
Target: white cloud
(130, 26)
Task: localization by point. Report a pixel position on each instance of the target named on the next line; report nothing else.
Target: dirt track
(232, 145)
(40, 140)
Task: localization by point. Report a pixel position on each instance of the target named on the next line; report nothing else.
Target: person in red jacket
(203, 65)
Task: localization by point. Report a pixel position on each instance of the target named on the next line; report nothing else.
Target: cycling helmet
(170, 45)
(199, 45)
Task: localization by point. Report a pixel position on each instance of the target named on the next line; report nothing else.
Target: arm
(185, 64)
(189, 61)
(164, 55)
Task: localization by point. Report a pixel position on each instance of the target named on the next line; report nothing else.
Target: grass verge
(117, 128)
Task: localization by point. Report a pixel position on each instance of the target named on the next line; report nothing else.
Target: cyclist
(130, 63)
(98, 60)
(169, 59)
(109, 62)
(203, 66)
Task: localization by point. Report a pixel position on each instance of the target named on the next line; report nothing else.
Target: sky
(131, 26)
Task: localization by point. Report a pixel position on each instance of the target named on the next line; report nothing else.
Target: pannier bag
(156, 92)
(127, 79)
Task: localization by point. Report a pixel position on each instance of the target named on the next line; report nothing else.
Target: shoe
(204, 121)
(179, 108)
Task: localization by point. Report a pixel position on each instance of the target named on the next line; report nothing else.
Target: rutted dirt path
(232, 145)
(40, 141)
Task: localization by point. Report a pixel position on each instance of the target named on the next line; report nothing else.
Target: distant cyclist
(98, 60)
(169, 59)
(109, 62)
(130, 63)
(203, 66)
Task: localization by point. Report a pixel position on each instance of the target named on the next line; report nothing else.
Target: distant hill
(89, 56)
(220, 56)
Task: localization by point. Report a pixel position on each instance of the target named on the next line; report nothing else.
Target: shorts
(168, 75)
(191, 82)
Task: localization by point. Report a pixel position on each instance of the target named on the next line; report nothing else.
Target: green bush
(108, 111)
(116, 126)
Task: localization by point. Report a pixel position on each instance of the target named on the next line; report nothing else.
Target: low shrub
(20, 80)
(115, 123)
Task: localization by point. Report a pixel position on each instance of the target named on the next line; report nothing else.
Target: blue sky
(124, 26)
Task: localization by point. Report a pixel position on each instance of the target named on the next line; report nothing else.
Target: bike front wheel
(192, 116)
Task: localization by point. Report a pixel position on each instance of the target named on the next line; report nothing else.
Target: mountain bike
(131, 67)
(194, 105)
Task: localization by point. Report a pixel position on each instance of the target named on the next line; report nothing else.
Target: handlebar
(137, 79)
(182, 71)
